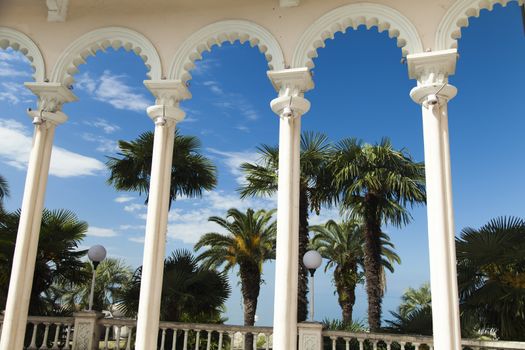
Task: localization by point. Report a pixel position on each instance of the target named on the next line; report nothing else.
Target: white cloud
(12, 55)
(231, 101)
(202, 67)
(325, 215)
(233, 161)
(124, 199)
(15, 147)
(112, 89)
(105, 145)
(94, 231)
(8, 70)
(139, 239)
(133, 207)
(103, 124)
(14, 92)
(132, 227)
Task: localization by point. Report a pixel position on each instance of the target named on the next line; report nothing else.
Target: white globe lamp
(312, 260)
(96, 254)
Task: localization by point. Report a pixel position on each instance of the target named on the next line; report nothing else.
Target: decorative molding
(432, 67)
(168, 94)
(299, 79)
(289, 3)
(353, 16)
(457, 17)
(99, 40)
(22, 43)
(57, 10)
(51, 96)
(218, 33)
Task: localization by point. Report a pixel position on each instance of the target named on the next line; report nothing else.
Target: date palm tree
(248, 243)
(58, 257)
(4, 192)
(191, 174)
(342, 244)
(376, 184)
(314, 191)
(491, 270)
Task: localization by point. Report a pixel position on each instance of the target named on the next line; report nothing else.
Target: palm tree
(491, 270)
(376, 183)
(58, 258)
(112, 276)
(190, 293)
(314, 191)
(248, 243)
(414, 299)
(343, 246)
(191, 174)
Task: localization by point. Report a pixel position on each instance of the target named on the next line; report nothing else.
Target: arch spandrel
(340, 19)
(99, 40)
(218, 33)
(457, 17)
(20, 42)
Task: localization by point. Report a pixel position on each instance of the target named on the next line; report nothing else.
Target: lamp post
(96, 254)
(312, 260)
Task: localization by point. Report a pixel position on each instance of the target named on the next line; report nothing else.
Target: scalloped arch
(100, 39)
(352, 16)
(218, 33)
(22, 43)
(449, 30)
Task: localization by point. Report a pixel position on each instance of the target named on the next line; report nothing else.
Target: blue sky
(361, 91)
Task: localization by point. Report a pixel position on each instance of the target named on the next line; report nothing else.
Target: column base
(310, 336)
(87, 331)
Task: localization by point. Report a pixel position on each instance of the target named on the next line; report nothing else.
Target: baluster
(174, 345)
(347, 343)
(57, 332)
(255, 338)
(208, 343)
(243, 334)
(185, 344)
(163, 338)
(220, 341)
(117, 338)
(361, 344)
(267, 338)
(46, 335)
(68, 335)
(402, 345)
(128, 342)
(334, 340)
(197, 338)
(232, 336)
(374, 344)
(32, 346)
(388, 345)
(106, 337)
(416, 346)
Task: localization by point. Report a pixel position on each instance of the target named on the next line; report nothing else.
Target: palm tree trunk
(250, 287)
(302, 290)
(374, 285)
(345, 281)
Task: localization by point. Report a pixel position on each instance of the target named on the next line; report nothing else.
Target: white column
(165, 113)
(289, 106)
(48, 116)
(433, 93)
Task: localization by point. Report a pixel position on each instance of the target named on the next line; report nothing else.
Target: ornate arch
(22, 43)
(218, 33)
(449, 30)
(352, 16)
(100, 39)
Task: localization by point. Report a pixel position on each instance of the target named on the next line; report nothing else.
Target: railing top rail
(51, 319)
(380, 336)
(188, 326)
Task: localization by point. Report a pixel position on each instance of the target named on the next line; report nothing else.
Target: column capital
(291, 85)
(432, 69)
(51, 97)
(293, 81)
(168, 94)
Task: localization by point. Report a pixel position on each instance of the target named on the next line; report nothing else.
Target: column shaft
(285, 303)
(445, 304)
(22, 271)
(155, 242)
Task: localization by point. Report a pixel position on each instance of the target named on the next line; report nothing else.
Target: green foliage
(191, 174)
(413, 299)
(340, 325)
(58, 258)
(376, 184)
(491, 269)
(4, 192)
(190, 293)
(112, 276)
